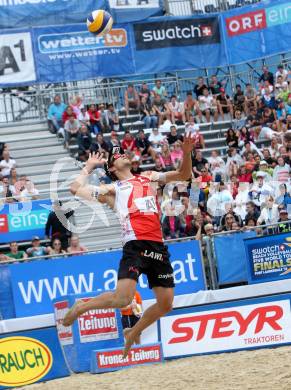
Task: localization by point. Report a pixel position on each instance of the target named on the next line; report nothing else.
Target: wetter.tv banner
(268, 258)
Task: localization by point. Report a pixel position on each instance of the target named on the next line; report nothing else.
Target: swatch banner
(268, 258)
(258, 31)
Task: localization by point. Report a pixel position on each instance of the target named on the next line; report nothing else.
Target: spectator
(161, 109)
(131, 99)
(67, 114)
(244, 175)
(72, 127)
(55, 113)
(217, 166)
(239, 99)
(84, 141)
(158, 165)
(15, 253)
(224, 104)
(177, 155)
(156, 139)
(274, 148)
(244, 135)
(75, 247)
(215, 86)
(199, 142)
(282, 198)
(173, 136)
(159, 90)
(171, 226)
(104, 120)
(135, 166)
(281, 171)
(165, 158)
(208, 105)
(228, 222)
(263, 167)
(205, 179)
(269, 213)
(191, 107)
(99, 145)
(56, 248)
(13, 176)
(209, 229)
(7, 163)
(148, 116)
(280, 86)
(29, 192)
(252, 212)
(284, 225)
(131, 314)
(260, 190)
(95, 119)
(281, 72)
(114, 141)
(57, 224)
(231, 139)
(238, 122)
(128, 143)
(241, 200)
(145, 92)
(114, 121)
(266, 76)
(7, 191)
(144, 146)
(198, 163)
(219, 201)
(250, 99)
(36, 250)
(198, 89)
(176, 110)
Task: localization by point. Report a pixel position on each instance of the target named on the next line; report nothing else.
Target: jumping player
(134, 200)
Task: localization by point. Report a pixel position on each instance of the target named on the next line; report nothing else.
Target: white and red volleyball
(99, 22)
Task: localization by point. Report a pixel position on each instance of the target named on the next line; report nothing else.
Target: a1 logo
(16, 58)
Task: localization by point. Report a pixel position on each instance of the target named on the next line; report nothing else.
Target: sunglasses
(114, 158)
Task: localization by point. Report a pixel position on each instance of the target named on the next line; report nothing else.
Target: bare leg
(163, 305)
(136, 340)
(121, 297)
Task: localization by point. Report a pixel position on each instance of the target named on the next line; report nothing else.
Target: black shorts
(129, 321)
(147, 257)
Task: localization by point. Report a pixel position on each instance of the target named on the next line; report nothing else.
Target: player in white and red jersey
(134, 200)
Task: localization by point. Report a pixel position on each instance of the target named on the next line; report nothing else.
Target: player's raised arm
(79, 186)
(184, 172)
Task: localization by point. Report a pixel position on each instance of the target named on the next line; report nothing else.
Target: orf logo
(245, 23)
(23, 360)
(3, 223)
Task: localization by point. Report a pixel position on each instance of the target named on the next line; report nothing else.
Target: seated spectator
(84, 141)
(205, 179)
(104, 120)
(7, 163)
(216, 165)
(156, 139)
(7, 191)
(215, 86)
(57, 223)
(75, 247)
(144, 146)
(148, 115)
(171, 227)
(269, 213)
(198, 89)
(176, 110)
(128, 143)
(159, 90)
(173, 136)
(284, 94)
(238, 122)
(177, 155)
(229, 220)
(15, 253)
(68, 113)
(267, 157)
(135, 166)
(250, 99)
(158, 165)
(71, 128)
(252, 212)
(95, 119)
(56, 248)
(281, 171)
(241, 200)
(244, 175)
(76, 103)
(208, 105)
(36, 250)
(219, 201)
(13, 176)
(260, 190)
(268, 99)
(280, 86)
(266, 76)
(281, 72)
(131, 99)
(274, 148)
(29, 192)
(161, 110)
(239, 99)
(99, 145)
(231, 139)
(263, 167)
(165, 158)
(267, 88)
(198, 162)
(55, 114)
(250, 147)
(114, 141)
(224, 104)
(283, 196)
(191, 107)
(145, 92)
(284, 226)
(113, 118)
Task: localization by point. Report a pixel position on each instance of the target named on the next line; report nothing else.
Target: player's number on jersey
(146, 204)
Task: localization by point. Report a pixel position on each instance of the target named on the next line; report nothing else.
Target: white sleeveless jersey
(138, 210)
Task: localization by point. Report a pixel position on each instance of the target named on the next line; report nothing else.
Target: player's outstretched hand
(95, 160)
(188, 143)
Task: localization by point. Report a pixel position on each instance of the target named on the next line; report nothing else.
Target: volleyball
(99, 22)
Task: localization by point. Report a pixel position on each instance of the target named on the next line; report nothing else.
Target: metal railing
(197, 7)
(33, 103)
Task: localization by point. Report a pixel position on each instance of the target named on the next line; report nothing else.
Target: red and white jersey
(138, 210)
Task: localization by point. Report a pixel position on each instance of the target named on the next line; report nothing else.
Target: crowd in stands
(249, 186)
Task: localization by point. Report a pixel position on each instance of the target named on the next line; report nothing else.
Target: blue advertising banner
(6, 297)
(64, 53)
(231, 258)
(268, 258)
(30, 356)
(258, 31)
(22, 221)
(37, 283)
